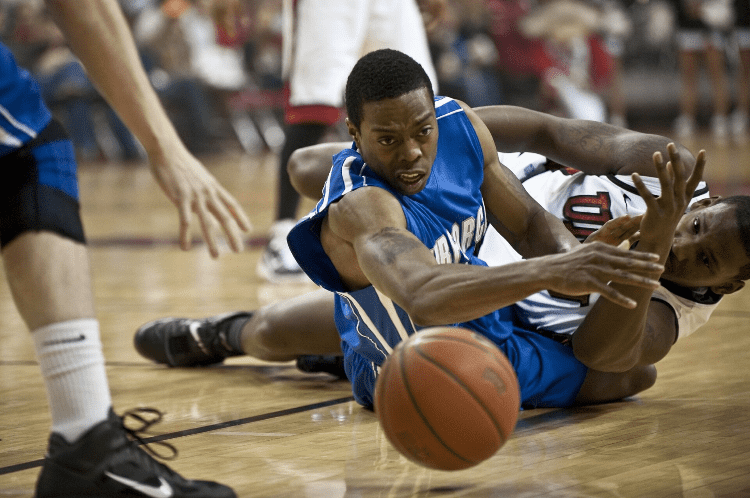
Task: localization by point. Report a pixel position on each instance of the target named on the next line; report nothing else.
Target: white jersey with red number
(584, 203)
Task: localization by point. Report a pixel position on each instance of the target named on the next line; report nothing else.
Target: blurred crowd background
(673, 66)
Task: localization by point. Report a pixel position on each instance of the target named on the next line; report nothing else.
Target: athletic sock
(72, 363)
(234, 333)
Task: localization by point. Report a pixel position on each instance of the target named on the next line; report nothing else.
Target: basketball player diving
(403, 167)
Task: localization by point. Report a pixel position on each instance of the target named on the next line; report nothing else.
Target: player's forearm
(98, 34)
(612, 338)
(589, 146)
(546, 235)
(456, 293)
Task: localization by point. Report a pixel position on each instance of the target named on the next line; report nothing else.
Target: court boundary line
(200, 430)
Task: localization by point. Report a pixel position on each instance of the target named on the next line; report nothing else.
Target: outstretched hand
(618, 231)
(194, 190)
(591, 267)
(663, 213)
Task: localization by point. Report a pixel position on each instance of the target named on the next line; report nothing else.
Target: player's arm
(589, 146)
(98, 34)
(613, 339)
(522, 221)
(308, 167)
(365, 236)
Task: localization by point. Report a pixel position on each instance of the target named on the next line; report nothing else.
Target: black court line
(199, 430)
(141, 242)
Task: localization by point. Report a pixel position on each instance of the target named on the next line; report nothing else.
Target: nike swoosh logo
(163, 491)
(80, 338)
(193, 327)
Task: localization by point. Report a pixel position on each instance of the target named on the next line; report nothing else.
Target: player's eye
(696, 225)
(386, 141)
(425, 131)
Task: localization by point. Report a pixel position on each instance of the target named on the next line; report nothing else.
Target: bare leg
(743, 82)
(717, 73)
(284, 330)
(49, 278)
(688, 60)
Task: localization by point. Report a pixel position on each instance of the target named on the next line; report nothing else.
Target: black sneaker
(185, 342)
(313, 363)
(106, 463)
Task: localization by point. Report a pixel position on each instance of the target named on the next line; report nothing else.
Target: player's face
(707, 250)
(397, 138)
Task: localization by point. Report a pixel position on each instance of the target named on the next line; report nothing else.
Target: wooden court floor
(271, 431)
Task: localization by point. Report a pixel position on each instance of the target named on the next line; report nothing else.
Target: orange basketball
(447, 398)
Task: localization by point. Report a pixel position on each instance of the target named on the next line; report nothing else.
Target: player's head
(391, 116)
(711, 247)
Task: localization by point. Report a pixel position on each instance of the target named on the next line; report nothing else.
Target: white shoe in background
(277, 265)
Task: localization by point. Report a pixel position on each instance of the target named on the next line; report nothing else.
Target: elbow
(425, 312)
(302, 175)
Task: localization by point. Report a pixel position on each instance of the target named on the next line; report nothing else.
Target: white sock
(72, 363)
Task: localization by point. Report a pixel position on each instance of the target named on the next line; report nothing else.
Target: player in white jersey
(304, 325)
(585, 203)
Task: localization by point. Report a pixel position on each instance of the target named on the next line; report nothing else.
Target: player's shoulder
(446, 106)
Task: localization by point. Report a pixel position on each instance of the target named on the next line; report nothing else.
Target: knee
(641, 379)
(265, 340)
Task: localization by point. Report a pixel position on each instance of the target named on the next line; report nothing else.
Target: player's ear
(729, 287)
(704, 203)
(353, 131)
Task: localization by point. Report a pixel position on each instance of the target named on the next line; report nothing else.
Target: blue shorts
(548, 373)
(40, 187)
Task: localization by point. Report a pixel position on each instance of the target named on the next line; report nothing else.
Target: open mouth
(410, 178)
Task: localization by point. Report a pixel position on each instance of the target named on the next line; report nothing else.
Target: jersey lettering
(469, 232)
(580, 210)
(442, 250)
(468, 229)
(456, 236)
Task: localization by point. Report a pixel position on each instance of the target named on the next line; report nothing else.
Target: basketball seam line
(467, 389)
(414, 403)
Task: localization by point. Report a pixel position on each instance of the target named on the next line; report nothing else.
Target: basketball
(447, 398)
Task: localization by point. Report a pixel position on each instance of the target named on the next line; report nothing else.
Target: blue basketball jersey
(22, 112)
(448, 216)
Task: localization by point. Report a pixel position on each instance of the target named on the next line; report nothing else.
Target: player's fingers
(643, 191)
(186, 216)
(665, 174)
(202, 212)
(227, 222)
(237, 212)
(612, 294)
(678, 167)
(634, 238)
(629, 226)
(697, 175)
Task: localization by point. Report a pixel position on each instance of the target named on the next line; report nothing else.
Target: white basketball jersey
(584, 203)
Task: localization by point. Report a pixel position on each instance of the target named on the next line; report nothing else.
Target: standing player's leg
(47, 267)
(326, 43)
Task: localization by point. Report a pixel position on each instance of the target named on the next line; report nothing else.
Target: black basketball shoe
(108, 462)
(312, 363)
(184, 342)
